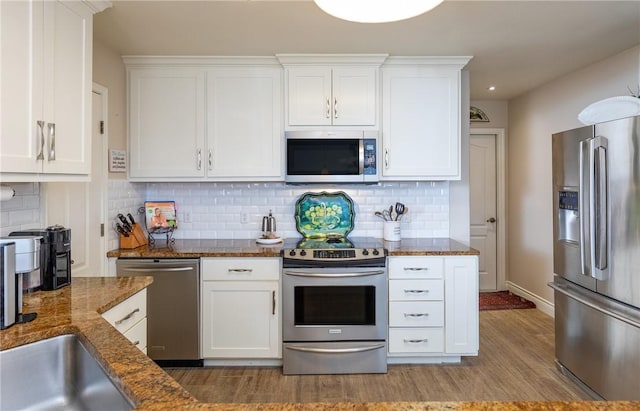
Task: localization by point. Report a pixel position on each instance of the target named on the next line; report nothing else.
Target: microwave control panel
(370, 156)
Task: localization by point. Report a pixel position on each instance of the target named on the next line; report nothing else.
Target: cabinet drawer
(126, 314)
(238, 269)
(138, 334)
(412, 290)
(416, 340)
(416, 267)
(416, 314)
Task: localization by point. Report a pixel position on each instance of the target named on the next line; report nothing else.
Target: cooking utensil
(387, 215)
(379, 214)
(405, 211)
(399, 210)
(131, 219)
(391, 213)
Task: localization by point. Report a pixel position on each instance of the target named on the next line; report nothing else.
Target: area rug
(503, 300)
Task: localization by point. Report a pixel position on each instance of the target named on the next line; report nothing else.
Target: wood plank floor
(516, 363)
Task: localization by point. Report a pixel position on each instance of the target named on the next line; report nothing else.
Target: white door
(482, 182)
(80, 206)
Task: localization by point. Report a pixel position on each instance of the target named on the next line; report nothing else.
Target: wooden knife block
(135, 239)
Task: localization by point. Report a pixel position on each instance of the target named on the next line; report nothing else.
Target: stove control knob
(375, 251)
(365, 252)
(292, 253)
(303, 253)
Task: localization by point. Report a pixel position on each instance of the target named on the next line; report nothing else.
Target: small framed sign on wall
(117, 161)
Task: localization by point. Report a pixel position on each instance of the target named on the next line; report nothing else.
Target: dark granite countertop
(76, 309)
(249, 248)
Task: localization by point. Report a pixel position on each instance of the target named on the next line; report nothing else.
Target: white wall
(533, 117)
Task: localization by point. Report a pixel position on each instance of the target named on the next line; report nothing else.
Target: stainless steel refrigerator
(596, 257)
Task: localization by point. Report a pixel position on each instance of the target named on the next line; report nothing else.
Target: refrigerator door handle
(600, 221)
(584, 207)
(592, 304)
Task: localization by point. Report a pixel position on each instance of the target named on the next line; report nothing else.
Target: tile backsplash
(22, 212)
(235, 210)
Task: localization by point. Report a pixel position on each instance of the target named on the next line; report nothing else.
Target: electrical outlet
(244, 218)
(187, 216)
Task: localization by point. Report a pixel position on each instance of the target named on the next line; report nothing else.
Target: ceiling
(516, 45)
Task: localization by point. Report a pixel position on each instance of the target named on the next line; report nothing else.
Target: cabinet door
(67, 87)
(240, 319)
(354, 96)
(167, 122)
(309, 96)
(20, 85)
(244, 123)
(461, 305)
(421, 122)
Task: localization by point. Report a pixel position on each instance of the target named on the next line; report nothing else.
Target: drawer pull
(410, 341)
(136, 342)
(126, 317)
(415, 315)
(416, 268)
(240, 270)
(416, 291)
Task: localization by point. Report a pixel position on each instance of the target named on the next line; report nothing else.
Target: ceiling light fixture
(491, 88)
(376, 11)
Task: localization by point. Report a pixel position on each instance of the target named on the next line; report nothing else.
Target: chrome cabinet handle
(386, 158)
(52, 141)
(415, 315)
(335, 108)
(199, 159)
(273, 303)
(210, 159)
(416, 268)
(240, 270)
(126, 317)
(416, 291)
(41, 127)
(328, 108)
(410, 341)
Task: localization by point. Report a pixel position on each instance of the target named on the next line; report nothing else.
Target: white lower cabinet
(241, 308)
(433, 308)
(130, 319)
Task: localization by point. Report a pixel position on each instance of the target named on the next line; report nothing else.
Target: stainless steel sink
(56, 374)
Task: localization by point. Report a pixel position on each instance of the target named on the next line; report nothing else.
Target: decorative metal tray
(324, 214)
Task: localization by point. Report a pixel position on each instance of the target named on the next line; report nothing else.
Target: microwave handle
(361, 156)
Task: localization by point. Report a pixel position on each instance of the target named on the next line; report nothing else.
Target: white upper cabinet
(331, 90)
(421, 118)
(46, 83)
(167, 117)
(244, 135)
(204, 118)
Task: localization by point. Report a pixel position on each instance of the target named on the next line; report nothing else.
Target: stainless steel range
(334, 298)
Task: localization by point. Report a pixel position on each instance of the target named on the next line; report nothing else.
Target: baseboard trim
(541, 304)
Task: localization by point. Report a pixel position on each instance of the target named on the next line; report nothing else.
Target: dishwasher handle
(155, 270)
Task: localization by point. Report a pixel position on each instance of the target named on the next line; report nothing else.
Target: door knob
(491, 220)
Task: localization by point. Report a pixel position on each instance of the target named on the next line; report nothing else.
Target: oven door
(334, 304)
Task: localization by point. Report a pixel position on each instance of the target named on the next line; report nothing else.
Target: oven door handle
(336, 350)
(338, 275)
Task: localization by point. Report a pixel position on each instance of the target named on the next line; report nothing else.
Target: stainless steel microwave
(331, 157)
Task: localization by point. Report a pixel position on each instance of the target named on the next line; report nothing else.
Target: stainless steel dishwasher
(173, 308)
